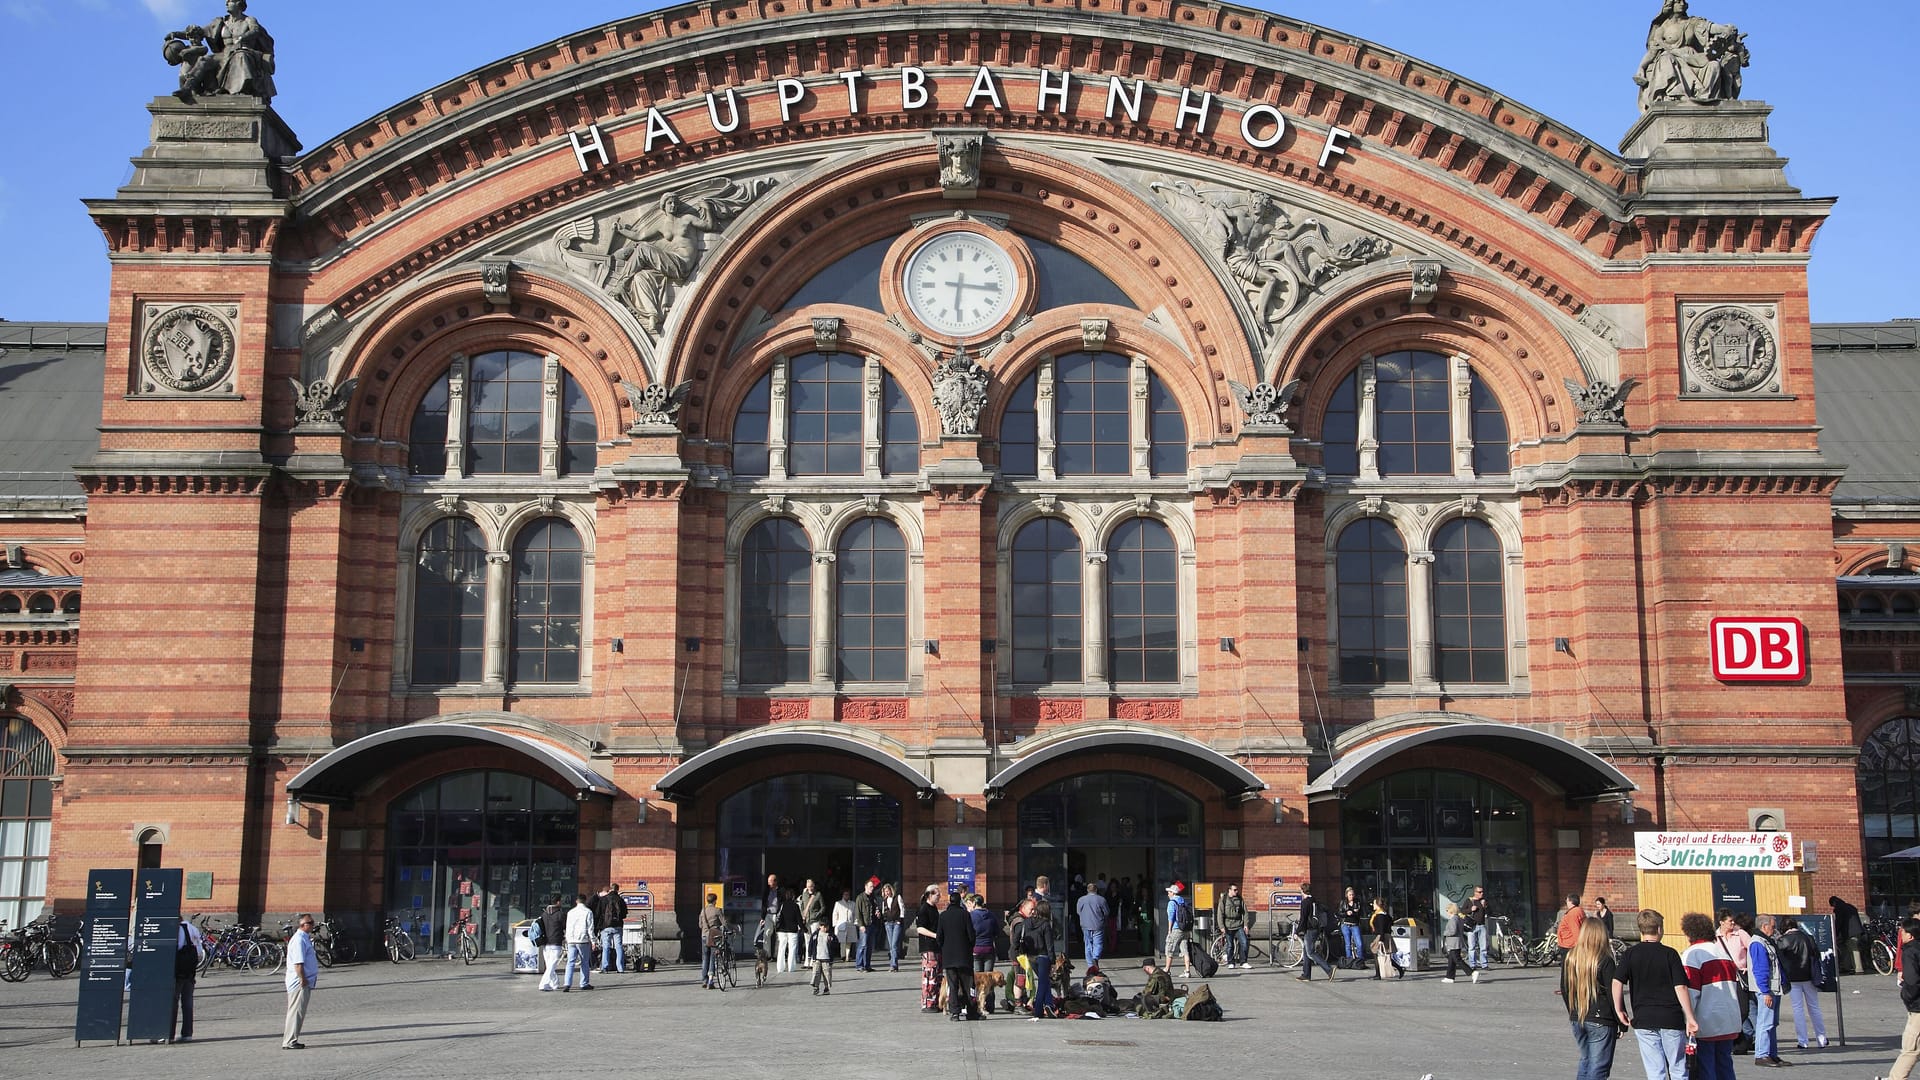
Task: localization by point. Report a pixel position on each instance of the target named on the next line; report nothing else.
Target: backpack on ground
(1201, 1004)
(1203, 962)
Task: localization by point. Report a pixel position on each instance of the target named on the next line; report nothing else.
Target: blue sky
(83, 71)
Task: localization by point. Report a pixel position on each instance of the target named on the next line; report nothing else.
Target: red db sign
(1759, 650)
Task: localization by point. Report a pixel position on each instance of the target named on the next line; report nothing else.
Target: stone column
(1138, 422)
(1420, 618)
(1369, 422)
(823, 618)
(1043, 419)
(550, 419)
(457, 417)
(1093, 618)
(1460, 374)
(493, 668)
(870, 419)
(777, 421)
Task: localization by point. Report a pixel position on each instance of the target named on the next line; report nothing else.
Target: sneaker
(1475, 977)
(1823, 1042)
(1302, 978)
(1445, 980)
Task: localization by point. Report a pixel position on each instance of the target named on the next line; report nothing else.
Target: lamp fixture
(1279, 810)
(618, 645)
(1562, 645)
(641, 812)
(693, 644)
(989, 646)
(1226, 644)
(933, 646)
(293, 809)
(356, 644)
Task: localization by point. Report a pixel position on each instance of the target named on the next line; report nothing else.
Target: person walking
(1380, 925)
(1733, 940)
(1846, 933)
(893, 917)
(813, 912)
(1586, 988)
(610, 915)
(1230, 915)
(821, 940)
(867, 927)
(303, 974)
(1567, 930)
(579, 945)
(844, 936)
(1476, 913)
(1605, 914)
(1766, 986)
(189, 950)
(954, 935)
(1092, 911)
(786, 931)
(1713, 982)
(1798, 957)
(1909, 934)
(1352, 914)
(1311, 934)
(926, 931)
(553, 943)
(1179, 923)
(713, 938)
(985, 925)
(1453, 938)
(1038, 948)
(1650, 991)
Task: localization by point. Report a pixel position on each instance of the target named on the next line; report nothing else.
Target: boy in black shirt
(1650, 993)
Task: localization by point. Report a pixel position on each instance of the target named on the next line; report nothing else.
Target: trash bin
(1411, 940)
(526, 958)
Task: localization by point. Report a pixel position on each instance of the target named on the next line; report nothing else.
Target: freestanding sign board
(156, 936)
(103, 956)
(960, 869)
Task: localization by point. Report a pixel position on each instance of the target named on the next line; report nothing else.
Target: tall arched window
(579, 431)
(814, 407)
(899, 430)
(1046, 603)
(776, 603)
(548, 568)
(1020, 431)
(450, 604)
(824, 415)
(1167, 430)
(427, 438)
(871, 601)
(1077, 412)
(750, 429)
(1469, 604)
(26, 819)
(1888, 779)
(1143, 604)
(1371, 571)
(503, 414)
(1412, 422)
(492, 407)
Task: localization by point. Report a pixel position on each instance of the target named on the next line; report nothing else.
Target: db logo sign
(1759, 650)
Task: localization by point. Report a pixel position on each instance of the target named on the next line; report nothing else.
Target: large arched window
(1371, 571)
(1077, 416)
(450, 604)
(1046, 603)
(1412, 425)
(871, 602)
(26, 819)
(548, 567)
(1143, 604)
(809, 417)
(776, 603)
(824, 416)
(1469, 604)
(1888, 780)
(492, 409)
(503, 420)
(1091, 405)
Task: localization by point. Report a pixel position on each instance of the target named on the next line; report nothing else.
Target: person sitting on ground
(1159, 989)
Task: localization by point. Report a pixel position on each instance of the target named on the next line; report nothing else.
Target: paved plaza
(434, 1019)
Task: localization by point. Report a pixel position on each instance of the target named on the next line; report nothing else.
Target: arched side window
(492, 409)
(1047, 638)
(548, 588)
(10, 604)
(450, 604)
(1167, 430)
(1469, 604)
(776, 603)
(70, 605)
(1093, 426)
(40, 604)
(871, 602)
(1492, 454)
(750, 429)
(579, 430)
(503, 418)
(1888, 781)
(427, 438)
(1412, 423)
(1371, 574)
(26, 819)
(1020, 431)
(1143, 604)
(899, 430)
(825, 426)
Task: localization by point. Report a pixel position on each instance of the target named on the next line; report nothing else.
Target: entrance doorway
(832, 829)
(1423, 838)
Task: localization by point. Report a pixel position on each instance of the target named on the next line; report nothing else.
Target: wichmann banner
(1713, 850)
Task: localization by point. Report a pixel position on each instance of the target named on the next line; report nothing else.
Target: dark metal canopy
(691, 775)
(1580, 772)
(1229, 775)
(337, 776)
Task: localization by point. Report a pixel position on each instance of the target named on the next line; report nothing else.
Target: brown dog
(759, 964)
(984, 983)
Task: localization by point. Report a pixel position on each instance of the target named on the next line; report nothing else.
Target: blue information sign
(960, 869)
(103, 956)
(156, 936)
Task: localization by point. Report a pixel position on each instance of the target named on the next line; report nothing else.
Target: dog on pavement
(760, 959)
(984, 983)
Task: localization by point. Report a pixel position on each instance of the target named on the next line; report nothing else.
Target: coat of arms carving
(1730, 350)
(186, 350)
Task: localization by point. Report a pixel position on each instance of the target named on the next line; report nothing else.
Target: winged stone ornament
(1601, 402)
(318, 402)
(1265, 406)
(655, 405)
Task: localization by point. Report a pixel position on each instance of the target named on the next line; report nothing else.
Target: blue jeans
(1663, 1053)
(1766, 1018)
(1477, 951)
(863, 946)
(1237, 946)
(1042, 984)
(1350, 938)
(893, 945)
(1309, 938)
(1596, 1050)
(709, 963)
(579, 957)
(1096, 943)
(613, 951)
(1716, 1059)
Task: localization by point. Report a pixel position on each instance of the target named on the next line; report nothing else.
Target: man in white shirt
(579, 944)
(303, 974)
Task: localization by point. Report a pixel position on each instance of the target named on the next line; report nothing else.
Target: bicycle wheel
(1287, 951)
(731, 970)
(469, 948)
(1217, 948)
(62, 957)
(252, 958)
(14, 966)
(1513, 950)
(343, 951)
(403, 946)
(323, 952)
(1882, 954)
(391, 943)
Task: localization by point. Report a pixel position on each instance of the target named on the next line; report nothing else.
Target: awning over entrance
(1229, 775)
(337, 776)
(691, 775)
(1582, 774)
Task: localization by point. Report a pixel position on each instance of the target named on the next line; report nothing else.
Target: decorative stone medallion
(1730, 349)
(188, 349)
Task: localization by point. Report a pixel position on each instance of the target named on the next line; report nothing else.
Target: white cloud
(166, 10)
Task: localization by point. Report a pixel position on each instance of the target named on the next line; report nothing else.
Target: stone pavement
(431, 1018)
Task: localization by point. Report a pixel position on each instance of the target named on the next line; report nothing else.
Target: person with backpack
(713, 938)
(1801, 959)
(551, 934)
(1230, 914)
(1909, 935)
(1316, 927)
(1767, 985)
(1037, 947)
(610, 915)
(1179, 923)
(189, 951)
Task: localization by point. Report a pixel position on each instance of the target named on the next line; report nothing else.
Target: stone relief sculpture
(1729, 350)
(1690, 59)
(187, 349)
(231, 54)
(319, 403)
(959, 392)
(1276, 262)
(655, 405)
(645, 260)
(1265, 406)
(1601, 402)
(959, 164)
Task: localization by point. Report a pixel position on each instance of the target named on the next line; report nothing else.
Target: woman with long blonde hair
(1586, 978)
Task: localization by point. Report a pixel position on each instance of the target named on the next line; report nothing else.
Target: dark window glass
(9, 603)
(872, 597)
(750, 429)
(899, 430)
(1415, 415)
(1469, 604)
(427, 439)
(1371, 575)
(1143, 604)
(1490, 454)
(1046, 603)
(26, 820)
(853, 279)
(776, 603)
(824, 415)
(1340, 431)
(40, 604)
(450, 604)
(579, 431)
(1091, 403)
(1167, 430)
(505, 391)
(1020, 431)
(70, 604)
(548, 578)
(1066, 279)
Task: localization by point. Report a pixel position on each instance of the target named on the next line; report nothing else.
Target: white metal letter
(1048, 90)
(852, 79)
(913, 88)
(733, 113)
(658, 127)
(984, 86)
(792, 92)
(1335, 147)
(1117, 97)
(595, 143)
(1199, 113)
(1263, 112)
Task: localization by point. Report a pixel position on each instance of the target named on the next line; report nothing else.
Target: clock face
(960, 283)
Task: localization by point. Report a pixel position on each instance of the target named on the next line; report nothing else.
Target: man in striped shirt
(1713, 983)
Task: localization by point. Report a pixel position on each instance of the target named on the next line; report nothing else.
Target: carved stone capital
(654, 405)
(318, 404)
(1426, 281)
(826, 333)
(1266, 407)
(1601, 402)
(960, 162)
(1093, 334)
(494, 275)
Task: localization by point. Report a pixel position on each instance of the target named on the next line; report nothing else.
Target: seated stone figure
(1689, 59)
(232, 54)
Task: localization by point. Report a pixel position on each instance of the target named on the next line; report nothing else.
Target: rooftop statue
(232, 54)
(1690, 59)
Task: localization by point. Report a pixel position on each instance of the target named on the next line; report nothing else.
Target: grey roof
(50, 390)
(1867, 392)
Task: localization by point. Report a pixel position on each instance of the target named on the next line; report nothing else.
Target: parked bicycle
(395, 941)
(1883, 944)
(1286, 946)
(37, 945)
(1217, 941)
(234, 947)
(462, 943)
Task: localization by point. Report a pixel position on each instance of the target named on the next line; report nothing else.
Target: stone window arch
(1092, 414)
(505, 412)
(825, 414)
